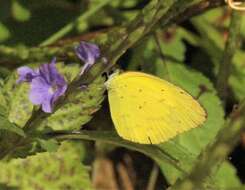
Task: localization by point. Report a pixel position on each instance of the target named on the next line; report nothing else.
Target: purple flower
(88, 53)
(47, 86)
(26, 74)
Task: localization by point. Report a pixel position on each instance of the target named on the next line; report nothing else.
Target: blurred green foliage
(188, 55)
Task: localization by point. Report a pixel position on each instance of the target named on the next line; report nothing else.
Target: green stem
(230, 49)
(70, 26)
(215, 154)
(152, 151)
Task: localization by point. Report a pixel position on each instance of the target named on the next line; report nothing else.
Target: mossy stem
(230, 49)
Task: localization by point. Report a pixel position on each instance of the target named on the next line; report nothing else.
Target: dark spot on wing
(162, 100)
(182, 92)
(162, 90)
(140, 107)
(121, 97)
(140, 90)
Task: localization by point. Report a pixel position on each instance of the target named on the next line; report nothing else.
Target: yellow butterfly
(148, 110)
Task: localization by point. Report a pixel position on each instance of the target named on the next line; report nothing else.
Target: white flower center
(52, 89)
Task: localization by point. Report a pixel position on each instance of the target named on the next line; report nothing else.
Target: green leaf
(19, 106)
(50, 145)
(5, 124)
(4, 32)
(60, 170)
(226, 177)
(172, 44)
(19, 12)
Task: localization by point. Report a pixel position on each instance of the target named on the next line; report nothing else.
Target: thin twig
(197, 9)
(153, 178)
(230, 49)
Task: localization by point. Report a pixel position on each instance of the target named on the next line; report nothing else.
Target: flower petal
(47, 86)
(39, 91)
(26, 74)
(87, 52)
(45, 73)
(47, 105)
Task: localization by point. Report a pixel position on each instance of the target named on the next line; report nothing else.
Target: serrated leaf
(60, 170)
(20, 108)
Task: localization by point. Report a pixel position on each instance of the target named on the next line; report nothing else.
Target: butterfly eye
(236, 5)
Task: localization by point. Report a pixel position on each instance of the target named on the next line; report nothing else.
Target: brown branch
(197, 9)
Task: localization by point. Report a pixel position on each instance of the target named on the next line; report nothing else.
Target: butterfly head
(109, 82)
